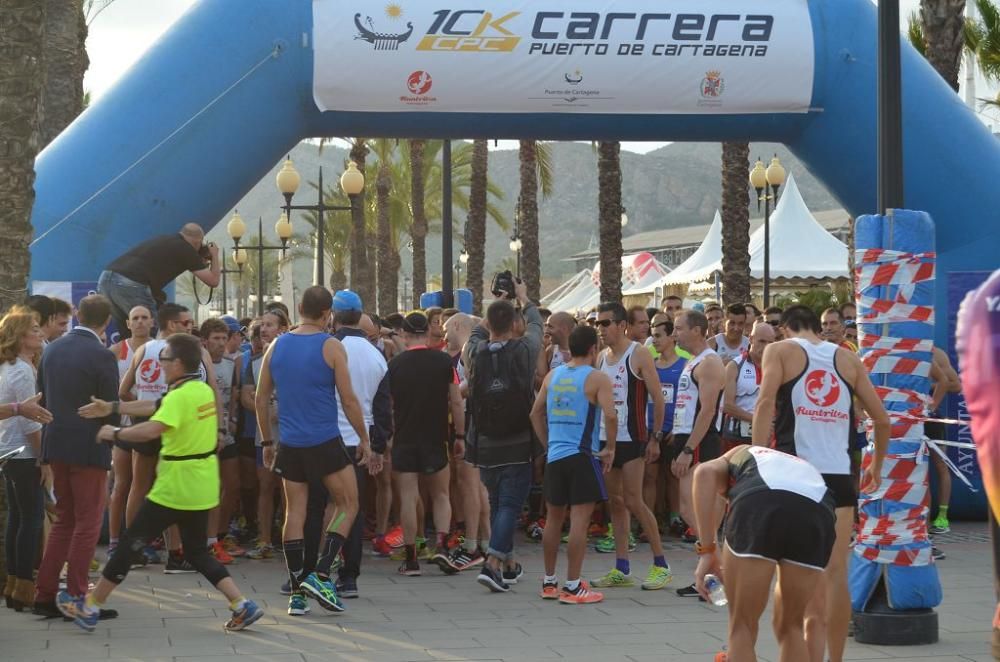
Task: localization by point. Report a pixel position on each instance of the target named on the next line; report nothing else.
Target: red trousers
(81, 493)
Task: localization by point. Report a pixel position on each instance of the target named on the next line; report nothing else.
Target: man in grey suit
(73, 368)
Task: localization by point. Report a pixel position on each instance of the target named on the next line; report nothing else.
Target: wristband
(266, 443)
(688, 450)
(114, 408)
(117, 432)
(17, 407)
(701, 550)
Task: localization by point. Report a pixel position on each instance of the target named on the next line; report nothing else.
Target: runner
(309, 372)
(638, 324)
(773, 317)
(715, 315)
(669, 367)
(742, 387)
(781, 516)
(558, 327)
(696, 438)
(945, 380)
(833, 329)
(184, 426)
(672, 304)
(424, 388)
(435, 320)
(811, 382)
(634, 380)
(563, 418)
(731, 344)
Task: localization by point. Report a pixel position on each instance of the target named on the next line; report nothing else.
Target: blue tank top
(306, 388)
(668, 385)
(573, 425)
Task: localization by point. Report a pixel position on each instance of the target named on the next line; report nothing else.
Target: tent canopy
(640, 273)
(704, 261)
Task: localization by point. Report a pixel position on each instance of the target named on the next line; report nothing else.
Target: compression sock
(294, 559)
(331, 547)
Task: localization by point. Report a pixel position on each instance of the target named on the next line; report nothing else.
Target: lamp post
(225, 293)
(766, 182)
(463, 259)
(237, 228)
(624, 217)
(515, 239)
(352, 182)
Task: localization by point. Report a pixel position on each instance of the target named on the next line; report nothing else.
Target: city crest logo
(712, 85)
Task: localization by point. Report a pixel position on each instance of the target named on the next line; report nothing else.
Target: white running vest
(224, 378)
(620, 376)
(688, 403)
(150, 378)
(726, 352)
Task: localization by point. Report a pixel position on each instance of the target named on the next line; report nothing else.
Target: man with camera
(137, 277)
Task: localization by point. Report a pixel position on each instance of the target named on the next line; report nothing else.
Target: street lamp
(237, 228)
(515, 239)
(766, 182)
(624, 217)
(225, 293)
(352, 182)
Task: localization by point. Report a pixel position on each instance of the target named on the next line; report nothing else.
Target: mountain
(674, 186)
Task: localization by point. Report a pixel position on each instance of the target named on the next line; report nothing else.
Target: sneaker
(492, 580)
(232, 546)
(409, 569)
(245, 616)
(455, 540)
(689, 592)
(286, 588)
(510, 576)
(597, 530)
(218, 550)
(677, 527)
(940, 525)
(112, 546)
(323, 591)
(94, 565)
(722, 657)
(689, 536)
(606, 545)
(298, 605)
(656, 578)
(535, 530)
(581, 596)
(347, 588)
(380, 547)
(425, 553)
(261, 550)
(550, 591)
(152, 555)
(178, 565)
(461, 559)
(614, 579)
(937, 554)
(394, 536)
(67, 605)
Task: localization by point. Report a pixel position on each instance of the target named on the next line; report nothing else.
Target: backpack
(501, 398)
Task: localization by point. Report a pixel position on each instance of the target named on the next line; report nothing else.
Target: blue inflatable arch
(216, 102)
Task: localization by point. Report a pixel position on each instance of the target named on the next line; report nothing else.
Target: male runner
(811, 382)
(696, 437)
(564, 419)
(731, 344)
(669, 367)
(742, 387)
(557, 327)
(634, 380)
(714, 314)
(307, 368)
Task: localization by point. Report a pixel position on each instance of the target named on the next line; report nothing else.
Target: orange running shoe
(597, 530)
(550, 591)
(394, 537)
(581, 596)
(220, 553)
(721, 657)
(233, 547)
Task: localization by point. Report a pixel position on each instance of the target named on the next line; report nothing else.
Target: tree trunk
(475, 225)
(609, 205)
(944, 23)
(528, 221)
(418, 231)
(735, 223)
(362, 276)
(64, 65)
(388, 258)
(338, 280)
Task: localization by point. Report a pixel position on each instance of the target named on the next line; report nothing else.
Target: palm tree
(942, 26)
(982, 39)
(387, 251)
(418, 230)
(362, 276)
(65, 64)
(536, 168)
(609, 205)
(475, 225)
(735, 222)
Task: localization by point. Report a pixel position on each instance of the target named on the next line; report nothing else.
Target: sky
(126, 28)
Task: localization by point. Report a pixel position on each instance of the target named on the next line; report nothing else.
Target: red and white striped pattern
(885, 267)
(879, 343)
(882, 311)
(877, 362)
(903, 557)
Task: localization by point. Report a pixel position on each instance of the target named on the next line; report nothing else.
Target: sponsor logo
(822, 388)
(382, 41)
(470, 30)
(712, 85)
(149, 370)
(419, 82)
(993, 304)
(575, 79)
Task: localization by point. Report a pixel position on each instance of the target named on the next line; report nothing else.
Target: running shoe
(85, 618)
(606, 545)
(380, 547)
(218, 550)
(426, 553)
(940, 525)
(347, 588)
(68, 605)
(394, 536)
(597, 530)
(721, 657)
(689, 592)
(550, 591)
(244, 616)
(323, 591)
(581, 596)
(657, 578)
(152, 555)
(298, 605)
(689, 536)
(492, 580)
(112, 546)
(614, 579)
(535, 530)
(286, 588)
(409, 569)
(510, 576)
(456, 539)
(261, 550)
(94, 565)
(178, 565)
(460, 559)
(232, 546)
(937, 554)
(677, 527)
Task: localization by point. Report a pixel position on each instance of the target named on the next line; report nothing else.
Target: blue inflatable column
(895, 283)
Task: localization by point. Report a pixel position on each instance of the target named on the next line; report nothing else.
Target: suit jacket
(72, 369)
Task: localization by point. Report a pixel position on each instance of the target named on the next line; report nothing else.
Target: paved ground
(452, 618)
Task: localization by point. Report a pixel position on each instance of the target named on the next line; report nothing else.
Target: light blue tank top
(573, 425)
(307, 390)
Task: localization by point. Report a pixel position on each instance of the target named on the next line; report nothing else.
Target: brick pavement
(433, 617)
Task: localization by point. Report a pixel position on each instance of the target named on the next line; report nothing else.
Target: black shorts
(777, 525)
(709, 448)
(574, 480)
(626, 452)
(844, 488)
(426, 458)
(246, 447)
(146, 448)
(304, 464)
(230, 452)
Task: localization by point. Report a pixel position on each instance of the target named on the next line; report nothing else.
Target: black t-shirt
(157, 261)
(419, 380)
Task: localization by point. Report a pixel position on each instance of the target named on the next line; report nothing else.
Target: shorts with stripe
(574, 480)
(778, 526)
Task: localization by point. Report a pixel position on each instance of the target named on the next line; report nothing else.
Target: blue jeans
(124, 295)
(508, 488)
(25, 510)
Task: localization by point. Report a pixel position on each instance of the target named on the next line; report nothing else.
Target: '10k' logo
(469, 30)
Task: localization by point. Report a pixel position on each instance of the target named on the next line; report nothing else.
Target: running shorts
(844, 488)
(709, 448)
(574, 480)
(423, 458)
(230, 452)
(625, 452)
(776, 525)
(306, 464)
(146, 448)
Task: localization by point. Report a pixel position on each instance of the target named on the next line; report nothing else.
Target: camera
(205, 251)
(503, 283)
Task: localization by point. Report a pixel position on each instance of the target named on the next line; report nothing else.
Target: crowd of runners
(441, 440)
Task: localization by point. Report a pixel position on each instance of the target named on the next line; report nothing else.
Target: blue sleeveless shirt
(572, 418)
(307, 390)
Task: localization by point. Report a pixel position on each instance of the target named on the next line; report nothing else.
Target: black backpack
(501, 398)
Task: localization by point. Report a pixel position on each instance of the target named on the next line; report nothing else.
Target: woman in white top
(21, 342)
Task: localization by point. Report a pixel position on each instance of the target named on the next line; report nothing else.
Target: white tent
(704, 261)
(640, 273)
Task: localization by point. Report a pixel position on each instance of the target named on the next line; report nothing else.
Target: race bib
(668, 392)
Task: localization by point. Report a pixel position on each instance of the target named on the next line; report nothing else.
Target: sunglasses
(774, 322)
(164, 359)
(607, 323)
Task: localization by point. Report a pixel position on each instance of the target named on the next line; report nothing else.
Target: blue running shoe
(298, 605)
(324, 592)
(245, 616)
(67, 604)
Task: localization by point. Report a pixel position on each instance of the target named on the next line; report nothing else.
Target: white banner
(550, 56)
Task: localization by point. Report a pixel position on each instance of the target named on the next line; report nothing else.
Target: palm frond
(915, 33)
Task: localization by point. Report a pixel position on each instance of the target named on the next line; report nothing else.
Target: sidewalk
(434, 617)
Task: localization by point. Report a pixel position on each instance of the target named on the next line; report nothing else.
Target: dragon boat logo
(382, 41)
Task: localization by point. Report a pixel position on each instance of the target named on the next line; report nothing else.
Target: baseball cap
(416, 323)
(345, 300)
(699, 306)
(232, 323)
